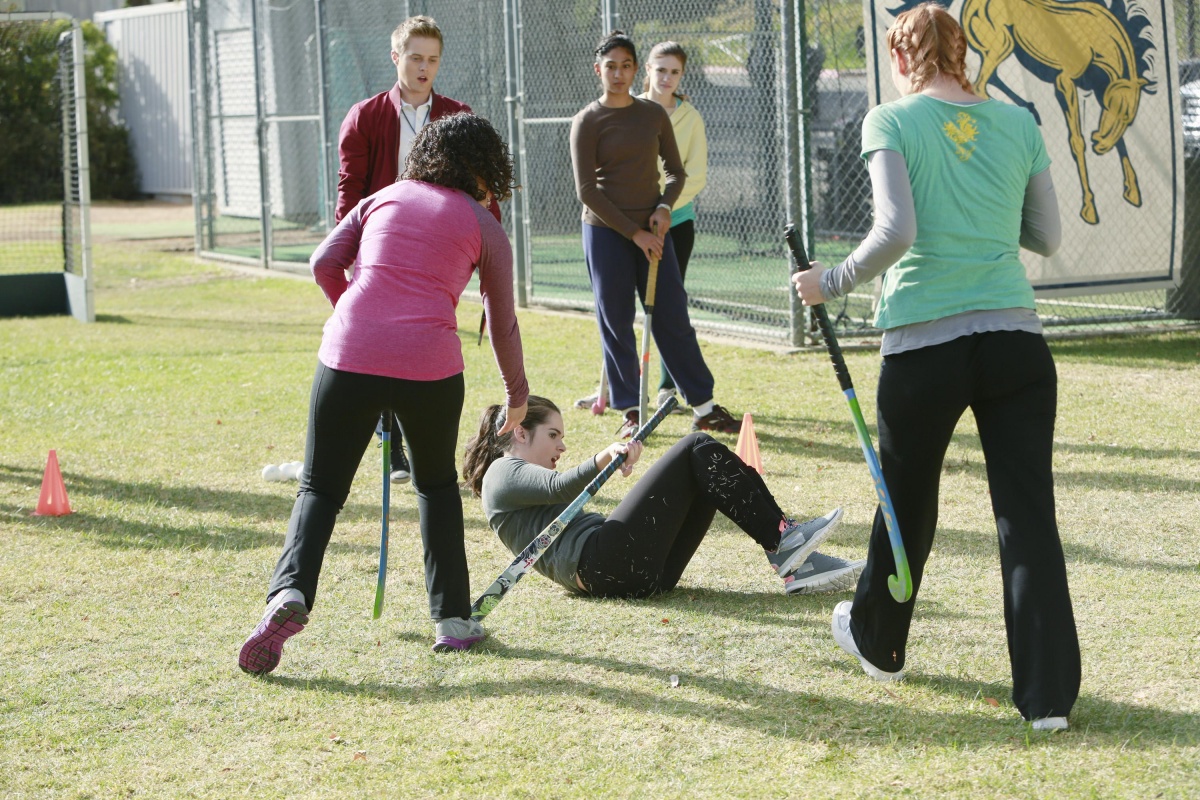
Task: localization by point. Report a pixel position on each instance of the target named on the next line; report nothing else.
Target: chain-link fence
(782, 88)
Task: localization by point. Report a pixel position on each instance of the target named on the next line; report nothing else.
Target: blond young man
(378, 133)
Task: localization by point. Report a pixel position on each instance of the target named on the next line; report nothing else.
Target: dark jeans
(648, 540)
(1008, 380)
(618, 270)
(683, 236)
(343, 411)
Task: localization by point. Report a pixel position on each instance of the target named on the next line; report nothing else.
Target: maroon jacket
(369, 146)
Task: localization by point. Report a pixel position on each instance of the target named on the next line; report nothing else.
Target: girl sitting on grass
(641, 548)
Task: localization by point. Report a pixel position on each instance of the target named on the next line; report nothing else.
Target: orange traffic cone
(747, 445)
(53, 500)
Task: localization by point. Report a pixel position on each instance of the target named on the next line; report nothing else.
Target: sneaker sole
(451, 644)
(400, 477)
(261, 652)
(835, 581)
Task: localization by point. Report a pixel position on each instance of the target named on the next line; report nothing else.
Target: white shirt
(412, 120)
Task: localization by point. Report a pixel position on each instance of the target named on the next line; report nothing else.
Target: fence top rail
(32, 16)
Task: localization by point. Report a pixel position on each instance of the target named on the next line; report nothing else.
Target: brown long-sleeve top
(615, 154)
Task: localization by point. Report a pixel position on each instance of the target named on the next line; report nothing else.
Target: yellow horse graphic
(1078, 45)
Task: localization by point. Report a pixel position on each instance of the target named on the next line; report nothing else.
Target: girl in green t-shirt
(960, 184)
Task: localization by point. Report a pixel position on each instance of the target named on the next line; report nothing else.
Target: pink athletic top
(417, 245)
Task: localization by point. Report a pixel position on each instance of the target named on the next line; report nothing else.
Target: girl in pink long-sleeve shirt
(392, 343)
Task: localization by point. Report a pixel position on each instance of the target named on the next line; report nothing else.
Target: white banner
(1101, 79)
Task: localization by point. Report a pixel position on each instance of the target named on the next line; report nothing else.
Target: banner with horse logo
(1100, 78)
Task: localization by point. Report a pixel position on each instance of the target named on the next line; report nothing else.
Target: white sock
(703, 409)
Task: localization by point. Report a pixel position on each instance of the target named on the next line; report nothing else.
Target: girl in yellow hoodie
(664, 71)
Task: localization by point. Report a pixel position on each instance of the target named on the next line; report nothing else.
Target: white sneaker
(457, 634)
(1050, 724)
(586, 403)
(845, 640)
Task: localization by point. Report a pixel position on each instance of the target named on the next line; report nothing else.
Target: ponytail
(487, 445)
(484, 448)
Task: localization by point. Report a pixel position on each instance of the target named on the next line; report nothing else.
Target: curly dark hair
(454, 150)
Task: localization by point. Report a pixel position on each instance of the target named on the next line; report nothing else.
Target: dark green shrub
(31, 116)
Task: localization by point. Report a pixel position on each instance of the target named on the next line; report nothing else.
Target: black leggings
(645, 544)
(343, 411)
(1007, 378)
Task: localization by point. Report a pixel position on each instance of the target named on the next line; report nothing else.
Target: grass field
(122, 621)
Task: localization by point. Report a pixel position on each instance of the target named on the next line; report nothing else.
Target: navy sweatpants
(618, 269)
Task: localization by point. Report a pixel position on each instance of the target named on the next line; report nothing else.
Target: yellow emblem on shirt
(962, 134)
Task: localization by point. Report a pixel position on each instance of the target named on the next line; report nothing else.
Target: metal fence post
(513, 105)
(328, 193)
(260, 114)
(792, 197)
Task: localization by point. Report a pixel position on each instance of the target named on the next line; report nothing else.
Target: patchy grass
(121, 621)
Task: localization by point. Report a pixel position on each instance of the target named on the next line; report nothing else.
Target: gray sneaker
(666, 394)
(457, 634)
(822, 573)
(845, 639)
(799, 539)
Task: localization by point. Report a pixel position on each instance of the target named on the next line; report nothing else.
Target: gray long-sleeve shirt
(520, 499)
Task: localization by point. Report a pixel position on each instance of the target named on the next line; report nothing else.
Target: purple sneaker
(286, 615)
(457, 634)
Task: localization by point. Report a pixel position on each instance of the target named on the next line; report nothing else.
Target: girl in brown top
(616, 143)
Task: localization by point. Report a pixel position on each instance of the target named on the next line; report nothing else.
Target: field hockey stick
(899, 584)
(524, 562)
(601, 401)
(387, 501)
(651, 285)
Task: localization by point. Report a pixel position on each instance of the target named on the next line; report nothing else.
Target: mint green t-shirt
(968, 166)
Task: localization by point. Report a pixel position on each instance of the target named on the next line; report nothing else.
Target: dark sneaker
(822, 573)
(630, 426)
(666, 394)
(718, 420)
(401, 471)
(798, 540)
(457, 634)
(286, 615)
(845, 639)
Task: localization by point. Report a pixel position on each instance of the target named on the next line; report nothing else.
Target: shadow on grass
(120, 531)
(774, 712)
(1178, 348)
(818, 447)
(983, 547)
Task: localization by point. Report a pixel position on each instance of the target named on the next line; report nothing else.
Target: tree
(31, 116)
